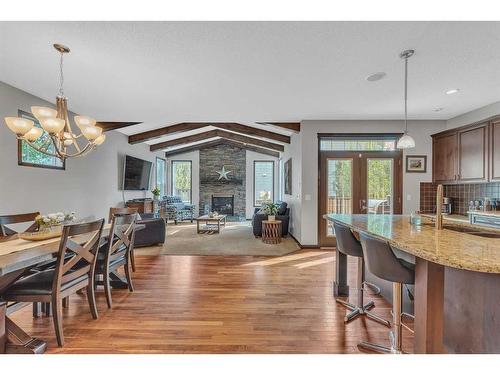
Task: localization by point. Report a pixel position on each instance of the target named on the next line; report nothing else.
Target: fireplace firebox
(223, 205)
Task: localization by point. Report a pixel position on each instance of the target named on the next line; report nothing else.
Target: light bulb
(43, 112)
(67, 135)
(84, 121)
(68, 142)
(100, 140)
(406, 141)
(90, 132)
(19, 125)
(33, 134)
(52, 125)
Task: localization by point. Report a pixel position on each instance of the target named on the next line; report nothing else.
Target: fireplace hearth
(223, 205)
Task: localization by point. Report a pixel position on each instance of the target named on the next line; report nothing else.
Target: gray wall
(479, 114)
(304, 152)
(88, 186)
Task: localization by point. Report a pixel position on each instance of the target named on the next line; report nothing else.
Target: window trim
(254, 180)
(190, 177)
(164, 173)
(20, 161)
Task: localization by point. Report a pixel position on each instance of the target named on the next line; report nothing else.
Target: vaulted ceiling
(168, 74)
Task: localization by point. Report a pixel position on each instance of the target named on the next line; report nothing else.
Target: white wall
(194, 157)
(252, 156)
(479, 114)
(88, 186)
(304, 153)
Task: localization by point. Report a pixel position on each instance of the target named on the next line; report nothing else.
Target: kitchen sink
(469, 230)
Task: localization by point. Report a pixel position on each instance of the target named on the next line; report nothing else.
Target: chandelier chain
(406, 94)
(61, 76)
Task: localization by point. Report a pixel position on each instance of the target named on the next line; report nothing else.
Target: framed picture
(287, 170)
(416, 163)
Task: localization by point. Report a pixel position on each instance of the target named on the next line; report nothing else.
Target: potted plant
(54, 221)
(271, 209)
(156, 193)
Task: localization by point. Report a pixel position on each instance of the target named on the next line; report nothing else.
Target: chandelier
(61, 142)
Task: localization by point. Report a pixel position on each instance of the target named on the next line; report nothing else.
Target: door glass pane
(380, 186)
(263, 172)
(161, 179)
(339, 180)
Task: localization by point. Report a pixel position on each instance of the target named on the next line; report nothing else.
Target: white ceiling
(168, 72)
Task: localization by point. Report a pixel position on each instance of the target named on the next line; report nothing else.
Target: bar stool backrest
(381, 261)
(346, 242)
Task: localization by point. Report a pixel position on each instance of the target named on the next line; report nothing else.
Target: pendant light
(406, 141)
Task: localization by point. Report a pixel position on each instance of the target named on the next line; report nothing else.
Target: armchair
(283, 215)
(177, 210)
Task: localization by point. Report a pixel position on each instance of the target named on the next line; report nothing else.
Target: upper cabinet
(462, 155)
(495, 151)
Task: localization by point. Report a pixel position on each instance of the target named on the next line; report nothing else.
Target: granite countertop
(485, 213)
(447, 247)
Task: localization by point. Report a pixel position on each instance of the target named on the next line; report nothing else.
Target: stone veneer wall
(233, 159)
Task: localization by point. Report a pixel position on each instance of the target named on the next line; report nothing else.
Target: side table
(271, 231)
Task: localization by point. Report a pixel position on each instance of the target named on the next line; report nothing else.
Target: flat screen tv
(136, 173)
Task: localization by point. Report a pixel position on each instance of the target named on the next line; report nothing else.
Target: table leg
(197, 227)
(429, 303)
(340, 287)
(218, 226)
(19, 342)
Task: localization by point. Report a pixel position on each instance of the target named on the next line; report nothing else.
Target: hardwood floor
(218, 304)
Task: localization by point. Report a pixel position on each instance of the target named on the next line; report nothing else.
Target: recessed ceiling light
(452, 91)
(376, 76)
(439, 109)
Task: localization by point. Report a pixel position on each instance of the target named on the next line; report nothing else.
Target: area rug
(235, 239)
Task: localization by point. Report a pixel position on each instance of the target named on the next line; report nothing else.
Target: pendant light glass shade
(84, 121)
(406, 141)
(33, 134)
(18, 125)
(43, 112)
(52, 125)
(90, 132)
(100, 140)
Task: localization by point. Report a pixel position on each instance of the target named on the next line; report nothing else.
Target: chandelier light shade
(18, 125)
(66, 143)
(406, 141)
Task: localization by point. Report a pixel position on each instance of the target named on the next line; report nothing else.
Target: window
(329, 144)
(263, 182)
(161, 178)
(181, 179)
(30, 157)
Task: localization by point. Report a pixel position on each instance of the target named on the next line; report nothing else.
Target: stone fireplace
(213, 188)
(223, 205)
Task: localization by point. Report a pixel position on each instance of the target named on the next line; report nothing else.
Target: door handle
(362, 205)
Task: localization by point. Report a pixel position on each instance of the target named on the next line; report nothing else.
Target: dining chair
(17, 219)
(74, 270)
(123, 211)
(116, 252)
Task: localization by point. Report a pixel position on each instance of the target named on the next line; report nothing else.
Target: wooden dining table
(17, 257)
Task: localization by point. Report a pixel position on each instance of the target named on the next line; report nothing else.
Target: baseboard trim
(303, 246)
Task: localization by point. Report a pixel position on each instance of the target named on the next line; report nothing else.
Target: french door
(357, 182)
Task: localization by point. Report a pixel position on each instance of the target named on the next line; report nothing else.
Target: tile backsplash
(460, 195)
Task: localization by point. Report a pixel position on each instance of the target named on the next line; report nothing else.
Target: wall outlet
(307, 197)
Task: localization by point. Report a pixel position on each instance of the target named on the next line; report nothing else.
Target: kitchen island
(457, 286)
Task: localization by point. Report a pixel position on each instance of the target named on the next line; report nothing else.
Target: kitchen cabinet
(444, 158)
(495, 151)
(462, 155)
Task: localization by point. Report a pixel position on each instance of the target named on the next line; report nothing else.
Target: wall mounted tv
(136, 173)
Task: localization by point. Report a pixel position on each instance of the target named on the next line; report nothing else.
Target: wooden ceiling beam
(251, 141)
(217, 142)
(248, 130)
(295, 126)
(107, 126)
(157, 133)
(184, 140)
(217, 133)
(186, 126)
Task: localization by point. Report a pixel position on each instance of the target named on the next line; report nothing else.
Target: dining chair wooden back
(118, 251)
(73, 271)
(120, 211)
(17, 219)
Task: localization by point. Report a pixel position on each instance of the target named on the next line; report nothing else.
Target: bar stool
(349, 245)
(383, 263)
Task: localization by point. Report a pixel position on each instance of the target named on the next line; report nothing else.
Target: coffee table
(212, 224)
